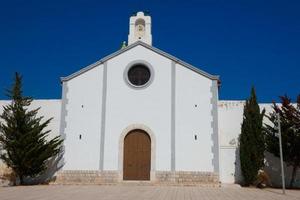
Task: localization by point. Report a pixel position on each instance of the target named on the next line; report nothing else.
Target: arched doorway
(137, 156)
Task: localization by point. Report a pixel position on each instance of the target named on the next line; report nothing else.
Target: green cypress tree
(251, 140)
(24, 143)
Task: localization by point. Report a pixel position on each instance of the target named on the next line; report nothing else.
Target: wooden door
(137, 156)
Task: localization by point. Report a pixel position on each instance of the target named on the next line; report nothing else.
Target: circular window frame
(134, 63)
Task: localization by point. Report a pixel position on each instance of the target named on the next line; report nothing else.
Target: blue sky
(245, 42)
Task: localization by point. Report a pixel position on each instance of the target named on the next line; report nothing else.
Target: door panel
(137, 156)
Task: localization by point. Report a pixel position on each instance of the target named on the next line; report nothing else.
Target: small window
(139, 75)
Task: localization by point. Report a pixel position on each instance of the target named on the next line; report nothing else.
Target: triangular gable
(158, 51)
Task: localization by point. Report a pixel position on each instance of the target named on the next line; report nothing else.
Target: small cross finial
(123, 45)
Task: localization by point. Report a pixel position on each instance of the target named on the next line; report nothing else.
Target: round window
(139, 75)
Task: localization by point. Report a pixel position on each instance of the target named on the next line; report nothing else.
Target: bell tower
(140, 28)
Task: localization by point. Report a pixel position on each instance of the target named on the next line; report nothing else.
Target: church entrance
(137, 156)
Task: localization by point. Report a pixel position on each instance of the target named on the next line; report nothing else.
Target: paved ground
(77, 192)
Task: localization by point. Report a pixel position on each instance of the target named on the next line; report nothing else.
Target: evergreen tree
(290, 133)
(25, 147)
(251, 141)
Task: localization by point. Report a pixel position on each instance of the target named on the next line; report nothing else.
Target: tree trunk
(21, 180)
(295, 167)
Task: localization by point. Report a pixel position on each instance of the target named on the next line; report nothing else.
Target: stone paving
(129, 192)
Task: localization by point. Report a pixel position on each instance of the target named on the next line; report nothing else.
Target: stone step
(161, 178)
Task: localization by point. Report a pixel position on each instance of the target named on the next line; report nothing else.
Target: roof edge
(179, 61)
(156, 50)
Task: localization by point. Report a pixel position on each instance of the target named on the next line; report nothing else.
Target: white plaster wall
(228, 165)
(49, 108)
(230, 120)
(83, 117)
(150, 106)
(193, 89)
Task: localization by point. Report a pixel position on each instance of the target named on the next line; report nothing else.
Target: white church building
(141, 114)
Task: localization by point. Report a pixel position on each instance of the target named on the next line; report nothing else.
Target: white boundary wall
(49, 108)
(230, 120)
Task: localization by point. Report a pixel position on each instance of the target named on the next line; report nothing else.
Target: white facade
(175, 107)
(193, 119)
(83, 119)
